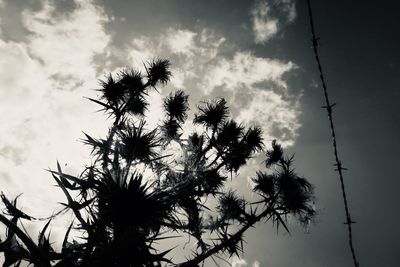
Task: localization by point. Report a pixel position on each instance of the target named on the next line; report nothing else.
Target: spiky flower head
(253, 139)
(132, 81)
(274, 155)
(231, 206)
(296, 192)
(176, 105)
(136, 105)
(213, 181)
(212, 114)
(137, 144)
(229, 133)
(170, 130)
(127, 203)
(112, 90)
(158, 72)
(264, 184)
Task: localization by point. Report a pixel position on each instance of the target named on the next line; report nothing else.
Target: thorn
(350, 222)
(156, 89)
(314, 41)
(339, 166)
(329, 108)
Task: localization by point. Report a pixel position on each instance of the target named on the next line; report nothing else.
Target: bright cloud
(254, 86)
(265, 23)
(289, 8)
(278, 117)
(180, 41)
(44, 77)
(43, 80)
(67, 43)
(238, 262)
(247, 70)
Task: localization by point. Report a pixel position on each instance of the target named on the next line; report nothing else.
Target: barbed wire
(328, 106)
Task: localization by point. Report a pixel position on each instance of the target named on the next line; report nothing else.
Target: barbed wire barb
(329, 108)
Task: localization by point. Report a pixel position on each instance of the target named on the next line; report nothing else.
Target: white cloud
(180, 41)
(196, 51)
(288, 7)
(141, 49)
(43, 80)
(237, 262)
(254, 86)
(247, 70)
(240, 262)
(277, 116)
(264, 25)
(67, 43)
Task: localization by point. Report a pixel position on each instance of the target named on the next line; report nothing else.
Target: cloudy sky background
(257, 54)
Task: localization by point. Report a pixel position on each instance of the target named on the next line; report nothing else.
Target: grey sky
(50, 58)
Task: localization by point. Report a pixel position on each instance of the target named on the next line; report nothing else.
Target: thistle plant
(136, 193)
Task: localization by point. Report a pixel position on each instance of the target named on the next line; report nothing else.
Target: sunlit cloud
(288, 7)
(67, 43)
(266, 23)
(245, 69)
(254, 87)
(44, 77)
(180, 41)
(238, 262)
(43, 80)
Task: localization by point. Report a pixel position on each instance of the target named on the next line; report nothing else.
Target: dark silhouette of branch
(121, 211)
(329, 108)
(225, 243)
(36, 253)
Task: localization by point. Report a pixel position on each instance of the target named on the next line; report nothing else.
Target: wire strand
(328, 106)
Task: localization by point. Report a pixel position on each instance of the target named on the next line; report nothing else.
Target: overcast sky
(256, 54)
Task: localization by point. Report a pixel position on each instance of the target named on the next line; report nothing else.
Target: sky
(256, 54)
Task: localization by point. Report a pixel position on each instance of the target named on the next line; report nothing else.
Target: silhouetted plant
(133, 195)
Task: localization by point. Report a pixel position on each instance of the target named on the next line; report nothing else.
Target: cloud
(288, 7)
(43, 80)
(245, 69)
(264, 25)
(67, 43)
(44, 77)
(180, 41)
(277, 116)
(191, 53)
(237, 262)
(254, 86)
(240, 262)
(267, 19)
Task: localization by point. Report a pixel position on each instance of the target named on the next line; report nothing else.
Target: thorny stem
(32, 247)
(217, 248)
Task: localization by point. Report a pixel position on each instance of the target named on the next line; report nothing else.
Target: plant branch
(31, 246)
